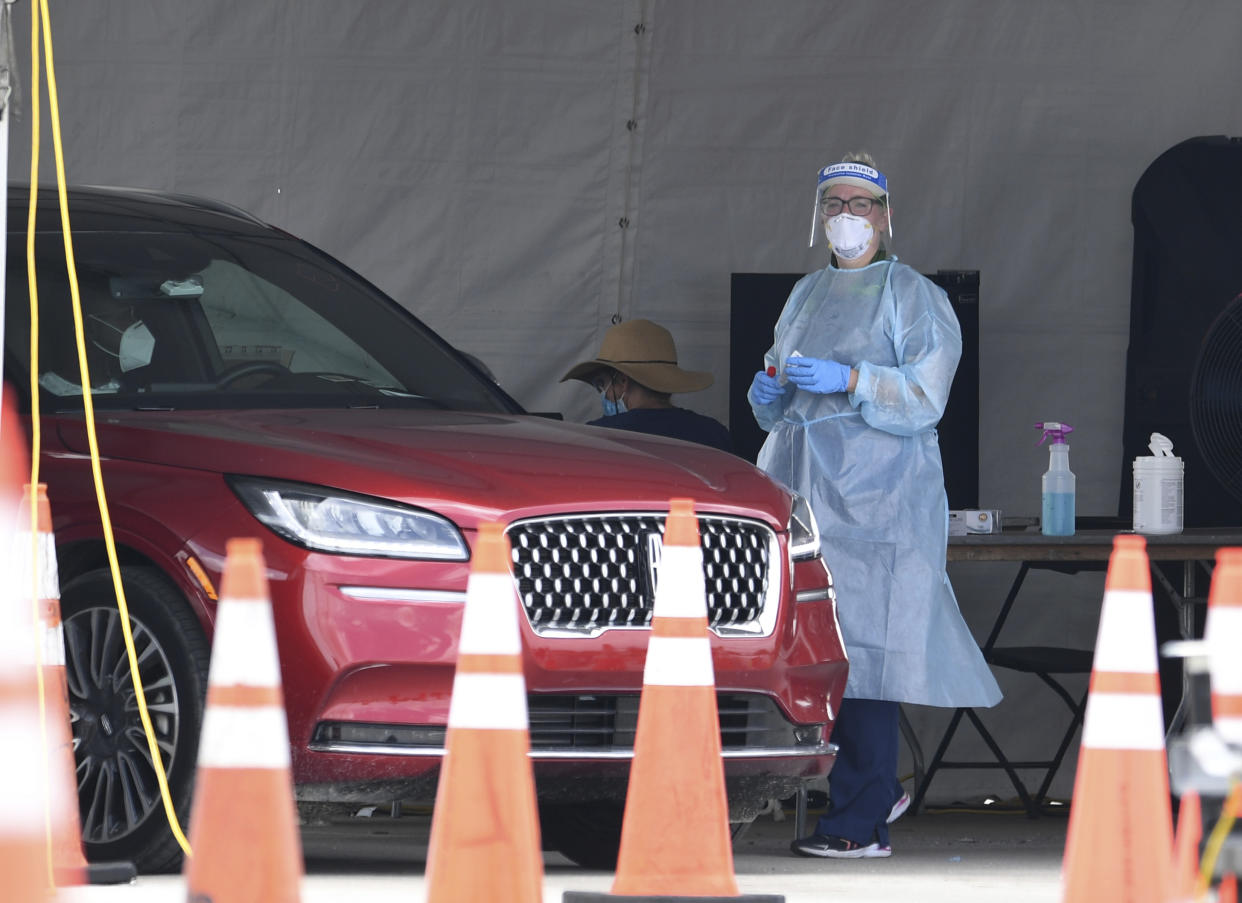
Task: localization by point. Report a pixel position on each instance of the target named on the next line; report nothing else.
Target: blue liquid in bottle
(1058, 514)
(1058, 483)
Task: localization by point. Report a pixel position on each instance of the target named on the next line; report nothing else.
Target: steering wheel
(249, 368)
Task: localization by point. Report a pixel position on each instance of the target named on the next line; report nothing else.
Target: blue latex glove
(764, 389)
(812, 374)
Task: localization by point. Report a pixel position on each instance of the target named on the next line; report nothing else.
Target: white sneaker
(829, 847)
(899, 808)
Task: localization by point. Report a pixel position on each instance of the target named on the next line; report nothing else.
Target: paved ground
(949, 857)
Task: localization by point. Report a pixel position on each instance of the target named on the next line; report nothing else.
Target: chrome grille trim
(401, 594)
(621, 753)
(580, 575)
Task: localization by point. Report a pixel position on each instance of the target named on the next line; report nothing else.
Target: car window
(217, 320)
(252, 320)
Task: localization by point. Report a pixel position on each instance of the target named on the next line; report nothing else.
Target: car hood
(471, 467)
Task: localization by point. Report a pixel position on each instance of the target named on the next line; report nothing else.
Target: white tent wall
(477, 159)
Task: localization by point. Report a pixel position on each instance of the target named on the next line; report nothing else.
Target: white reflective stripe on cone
(22, 809)
(243, 652)
(679, 662)
(1230, 728)
(49, 577)
(679, 583)
(54, 646)
(1123, 721)
(489, 625)
(18, 656)
(1223, 633)
(244, 737)
(488, 701)
(1127, 635)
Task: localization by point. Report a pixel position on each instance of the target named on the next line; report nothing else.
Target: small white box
(974, 520)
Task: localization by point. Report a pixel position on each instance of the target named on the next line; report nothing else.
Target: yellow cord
(89, 410)
(1216, 840)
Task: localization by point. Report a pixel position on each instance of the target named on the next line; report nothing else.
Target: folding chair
(1045, 662)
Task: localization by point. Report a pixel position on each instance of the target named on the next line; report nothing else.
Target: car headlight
(328, 520)
(803, 531)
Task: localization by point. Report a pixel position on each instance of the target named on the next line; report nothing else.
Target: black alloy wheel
(121, 810)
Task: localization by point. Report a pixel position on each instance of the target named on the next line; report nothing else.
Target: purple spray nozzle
(1058, 432)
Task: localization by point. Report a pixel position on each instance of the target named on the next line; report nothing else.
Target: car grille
(747, 721)
(582, 575)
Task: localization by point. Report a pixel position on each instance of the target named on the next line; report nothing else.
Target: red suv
(245, 383)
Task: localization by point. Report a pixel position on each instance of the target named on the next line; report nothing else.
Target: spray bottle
(1057, 518)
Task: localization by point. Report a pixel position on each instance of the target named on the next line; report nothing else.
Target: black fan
(1216, 398)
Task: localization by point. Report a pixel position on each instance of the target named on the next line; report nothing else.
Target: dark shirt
(676, 423)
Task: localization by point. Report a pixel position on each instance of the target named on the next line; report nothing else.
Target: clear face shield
(857, 174)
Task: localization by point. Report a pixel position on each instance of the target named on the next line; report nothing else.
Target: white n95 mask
(137, 346)
(849, 236)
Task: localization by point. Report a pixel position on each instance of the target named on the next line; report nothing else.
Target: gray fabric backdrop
(477, 159)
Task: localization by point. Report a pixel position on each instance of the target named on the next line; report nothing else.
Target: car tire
(588, 834)
(120, 806)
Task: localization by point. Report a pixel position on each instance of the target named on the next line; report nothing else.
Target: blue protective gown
(869, 464)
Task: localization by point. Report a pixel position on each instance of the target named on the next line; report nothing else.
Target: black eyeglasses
(859, 206)
(601, 383)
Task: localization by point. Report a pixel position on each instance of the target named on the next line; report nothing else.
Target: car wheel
(122, 812)
(588, 834)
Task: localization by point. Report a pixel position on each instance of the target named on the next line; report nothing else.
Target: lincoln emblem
(655, 549)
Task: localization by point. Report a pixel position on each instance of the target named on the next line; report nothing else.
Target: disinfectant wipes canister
(1158, 489)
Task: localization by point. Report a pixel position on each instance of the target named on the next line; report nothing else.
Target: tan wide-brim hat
(643, 351)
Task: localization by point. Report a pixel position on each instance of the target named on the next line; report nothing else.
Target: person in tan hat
(636, 375)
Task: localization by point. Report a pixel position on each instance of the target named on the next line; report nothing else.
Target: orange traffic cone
(677, 776)
(243, 753)
(484, 842)
(1223, 636)
(1121, 822)
(1185, 876)
(63, 830)
(23, 851)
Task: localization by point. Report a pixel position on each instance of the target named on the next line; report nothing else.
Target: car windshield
(218, 320)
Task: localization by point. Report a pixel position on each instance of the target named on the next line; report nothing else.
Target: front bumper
(368, 665)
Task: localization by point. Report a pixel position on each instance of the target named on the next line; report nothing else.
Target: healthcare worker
(864, 354)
